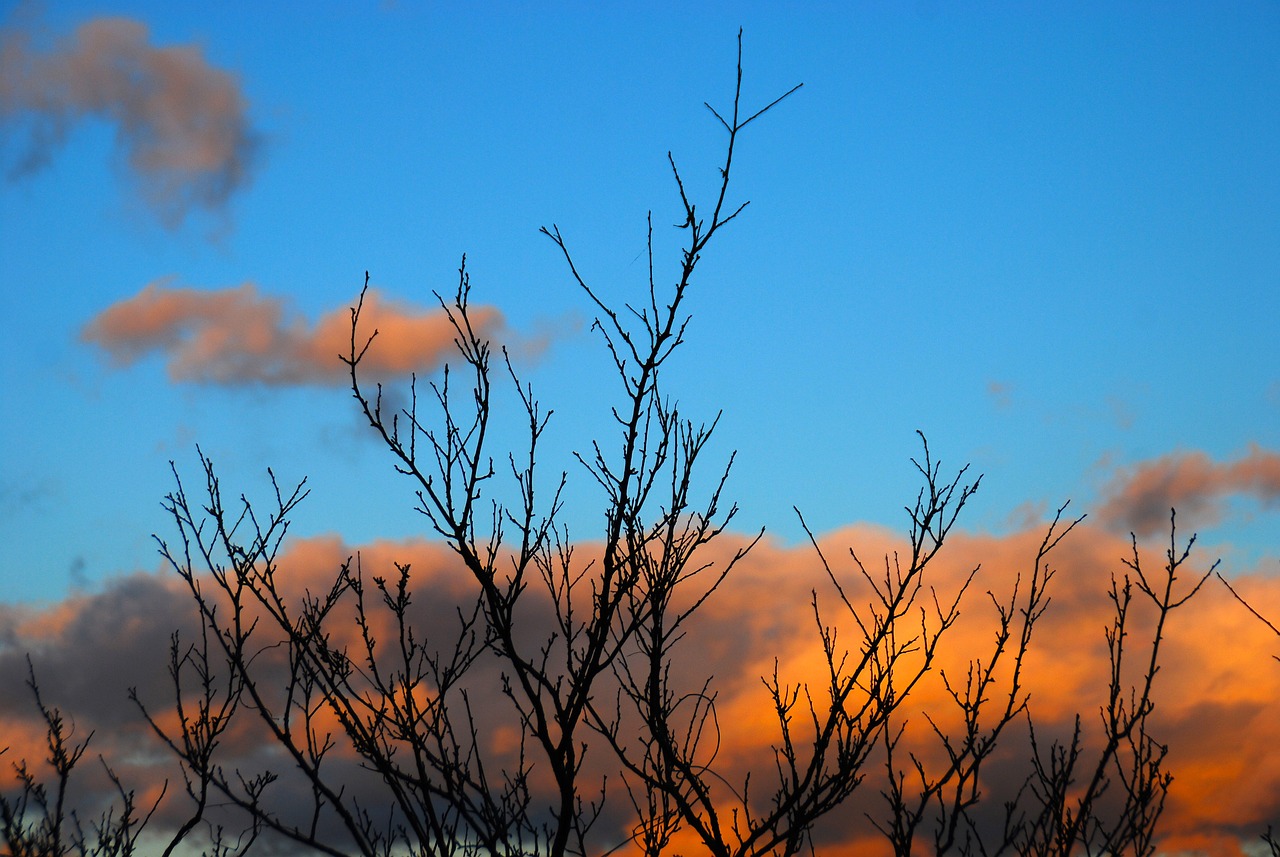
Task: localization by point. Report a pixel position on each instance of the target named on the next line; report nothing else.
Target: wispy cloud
(237, 336)
(181, 123)
(1001, 394)
(1215, 693)
(1139, 499)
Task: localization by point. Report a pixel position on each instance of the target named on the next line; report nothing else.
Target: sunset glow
(1048, 241)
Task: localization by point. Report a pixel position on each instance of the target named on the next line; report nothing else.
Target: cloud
(1215, 693)
(181, 123)
(1139, 499)
(1001, 394)
(238, 336)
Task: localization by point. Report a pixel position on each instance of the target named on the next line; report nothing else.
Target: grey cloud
(1139, 499)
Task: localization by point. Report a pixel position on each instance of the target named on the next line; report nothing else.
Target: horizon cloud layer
(1216, 667)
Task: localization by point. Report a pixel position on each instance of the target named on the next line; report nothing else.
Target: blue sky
(1048, 236)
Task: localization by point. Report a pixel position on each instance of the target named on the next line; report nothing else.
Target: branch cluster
(377, 718)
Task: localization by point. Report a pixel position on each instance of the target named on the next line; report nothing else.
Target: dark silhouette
(377, 699)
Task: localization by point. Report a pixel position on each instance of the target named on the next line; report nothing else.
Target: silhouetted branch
(40, 820)
(498, 715)
(1238, 597)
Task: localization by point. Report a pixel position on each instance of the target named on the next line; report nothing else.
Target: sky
(1046, 236)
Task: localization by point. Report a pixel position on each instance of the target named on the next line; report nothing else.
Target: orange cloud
(180, 122)
(1215, 693)
(239, 336)
(1139, 500)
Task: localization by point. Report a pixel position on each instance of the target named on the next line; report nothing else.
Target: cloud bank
(180, 123)
(1139, 499)
(238, 336)
(1216, 691)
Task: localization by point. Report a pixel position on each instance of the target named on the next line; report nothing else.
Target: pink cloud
(181, 123)
(1140, 498)
(239, 336)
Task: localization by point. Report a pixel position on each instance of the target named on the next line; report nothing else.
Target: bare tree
(946, 797)
(373, 699)
(827, 736)
(403, 706)
(1110, 802)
